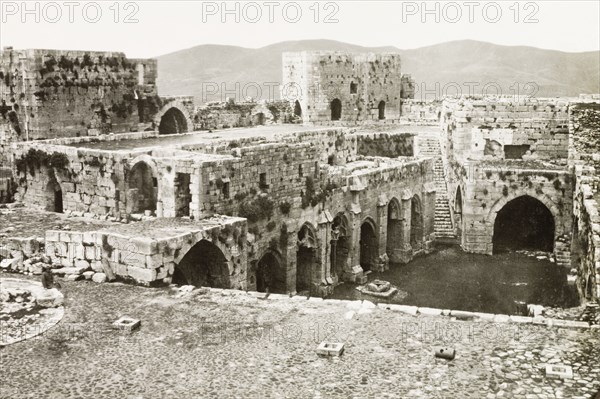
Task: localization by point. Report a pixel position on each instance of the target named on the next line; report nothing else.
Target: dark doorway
(297, 109)
(458, 206)
(203, 266)
(54, 196)
(306, 259)
(143, 190)
(368, 246)
(524, 223)
(381, 108)
(173, 122)
(336, 110)
(269, 274)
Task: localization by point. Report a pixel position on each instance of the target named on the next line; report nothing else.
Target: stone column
(355, 274)
(383, 260)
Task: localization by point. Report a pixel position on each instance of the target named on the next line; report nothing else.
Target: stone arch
(270, 273)
(416, 223)
(369, 243)
(173, 118)
(336, 109)
(341, 239)
(381, 109)
(524, 223)
(544, 199)
(53, 195)
(204, 265)
(142, 186)
(306, 257)
(395, 229)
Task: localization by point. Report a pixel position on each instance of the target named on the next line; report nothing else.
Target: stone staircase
(429, 146)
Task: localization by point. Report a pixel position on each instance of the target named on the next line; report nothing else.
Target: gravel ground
(210, 344)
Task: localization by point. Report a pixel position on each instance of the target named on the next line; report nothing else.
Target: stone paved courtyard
(233, 345)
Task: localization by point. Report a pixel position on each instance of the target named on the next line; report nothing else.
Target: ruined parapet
(345, 88)
(56, 93)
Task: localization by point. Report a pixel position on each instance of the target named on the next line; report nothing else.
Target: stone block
(99, 278)
(141, 275)
(145, 246)
(88, 275)
(126, 323)
(559, 371)
(330, 349)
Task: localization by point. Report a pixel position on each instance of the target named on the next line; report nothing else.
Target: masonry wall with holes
(331, 86)
(53, 93)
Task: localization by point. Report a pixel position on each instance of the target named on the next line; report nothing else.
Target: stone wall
(508, 128)
(585, 141)
(54, 93)
(360, 82)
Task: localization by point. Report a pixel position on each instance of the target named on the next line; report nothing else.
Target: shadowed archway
(172, 122)
(204, 265)
(336, 110)
(524, 223)
(368, 245)
(54, 196)
(381, 108)
(269, 274)
(143, 188)
(306, 258)
(394, 228)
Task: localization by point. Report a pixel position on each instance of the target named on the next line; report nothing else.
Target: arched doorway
(204, 265)
(336, 110)
(524, 223)
(381, 108)
(416, 224)
(297, 109)
(394, 229)
(172, 122)
(368, 246)
(458, 209)
(143, 188)
(306, 258)
(269, 274)
(54, 196)
(340, 245)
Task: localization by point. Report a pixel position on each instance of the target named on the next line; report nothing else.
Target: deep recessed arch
(306, 258)
(143, 188)
(204, 265)
(172, 122)
(270, 274)
(381, 109)
(53, 196)
(369, 248)
(297, 109)
(524, 223)
(336, 109)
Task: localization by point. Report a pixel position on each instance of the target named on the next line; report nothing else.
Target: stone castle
(349, 175)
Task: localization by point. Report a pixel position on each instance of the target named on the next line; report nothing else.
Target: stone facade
(346, 88)
(53, 93)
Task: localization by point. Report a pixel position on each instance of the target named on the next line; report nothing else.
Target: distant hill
(555, 73)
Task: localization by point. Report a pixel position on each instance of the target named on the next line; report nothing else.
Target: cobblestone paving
(207, 345)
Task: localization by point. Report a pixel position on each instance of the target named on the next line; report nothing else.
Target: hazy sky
(159, 27)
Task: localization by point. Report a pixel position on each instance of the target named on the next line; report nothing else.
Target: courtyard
(233, 344)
